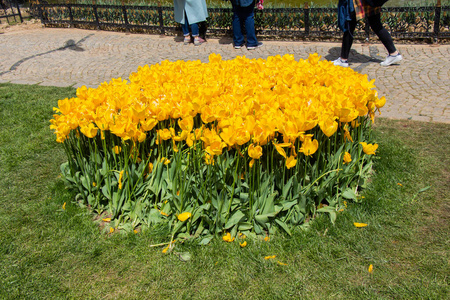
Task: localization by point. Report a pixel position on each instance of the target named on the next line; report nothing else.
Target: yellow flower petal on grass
(281, 264)
(243, 244)
(266, 239)
(106, 220)
(111, 229)
(184, 216)
(64, 206)
(227, 238)
(269, 257)
(166, 249)
(370, 269)
(359, 225)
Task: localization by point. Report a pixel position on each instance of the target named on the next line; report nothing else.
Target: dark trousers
(377, 27)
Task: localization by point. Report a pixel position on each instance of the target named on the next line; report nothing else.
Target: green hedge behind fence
(402, 22)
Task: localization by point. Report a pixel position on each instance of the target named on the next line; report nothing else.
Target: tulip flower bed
(245, 146)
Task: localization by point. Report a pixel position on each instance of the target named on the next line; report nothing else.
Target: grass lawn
(50, 253)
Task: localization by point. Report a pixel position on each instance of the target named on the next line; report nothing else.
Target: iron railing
(402, 22)
(10, 10)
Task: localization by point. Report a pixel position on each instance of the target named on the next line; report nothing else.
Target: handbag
(376, 3)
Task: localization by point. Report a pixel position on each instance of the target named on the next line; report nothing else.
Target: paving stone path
(418, 88)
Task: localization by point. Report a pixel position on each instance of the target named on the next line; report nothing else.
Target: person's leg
(382, 33)
(195, 34)
(238, 37)
(347, 40)
(185, 26)
(384, 36)
(185, 29)
(194, 29)
(249, 22)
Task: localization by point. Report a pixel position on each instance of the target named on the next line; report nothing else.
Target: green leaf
(349, 194)
(183, 256)
(330, 210)
(287, 187)
(206, 240)
(424, 189)
(265, 217)
(237, 216)
(243, 226)
(283, 225)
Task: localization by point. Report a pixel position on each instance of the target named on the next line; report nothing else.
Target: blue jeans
(185, 27)
(244, 16)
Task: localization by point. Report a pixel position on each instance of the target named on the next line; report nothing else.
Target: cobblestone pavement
(418, 88)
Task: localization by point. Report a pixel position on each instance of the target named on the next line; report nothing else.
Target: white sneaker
(254, 47)
(391, 59)
(340, 62)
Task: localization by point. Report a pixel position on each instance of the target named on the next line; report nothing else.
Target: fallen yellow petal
(111, 230)
(243, 244)
(359, 225)
(400, 184)
(281, 264)
(267, 239)
(106, 220)
(270, 257)
(184, 216)
(165, 249)
(371, 269)
(64, 206)
(227, 238)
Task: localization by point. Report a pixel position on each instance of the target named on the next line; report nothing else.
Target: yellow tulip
(117, 149)
(254, 152)
(90, 130)
(280, 150)
(291, 162)
(120, 179)
(369, 149)
(309, 147)
(347, 158)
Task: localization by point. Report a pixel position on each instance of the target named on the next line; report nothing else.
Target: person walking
(349, 11)
(243, 17)
(190, 13)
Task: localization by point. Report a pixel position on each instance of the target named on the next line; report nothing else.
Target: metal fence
(402, 22)
(10, 10)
